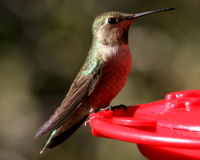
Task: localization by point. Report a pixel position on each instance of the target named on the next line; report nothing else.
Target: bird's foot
(103, 109)
(113, 108)
(124, 107)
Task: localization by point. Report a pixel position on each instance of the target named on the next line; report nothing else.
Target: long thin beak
(138, 15)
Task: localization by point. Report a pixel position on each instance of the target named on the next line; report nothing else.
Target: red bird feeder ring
(165, 129)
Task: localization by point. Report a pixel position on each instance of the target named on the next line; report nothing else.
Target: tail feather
(57, 137)
(60, 134)
(61, 137)
(48, 141)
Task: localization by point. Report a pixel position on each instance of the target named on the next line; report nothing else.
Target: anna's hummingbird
(100, 79)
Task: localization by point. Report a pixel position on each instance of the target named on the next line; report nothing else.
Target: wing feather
(82, 86)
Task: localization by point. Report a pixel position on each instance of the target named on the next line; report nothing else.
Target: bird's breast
(117, 67)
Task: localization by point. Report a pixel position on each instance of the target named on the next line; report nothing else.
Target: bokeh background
(43, 45)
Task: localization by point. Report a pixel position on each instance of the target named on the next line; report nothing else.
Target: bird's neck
(106, 51)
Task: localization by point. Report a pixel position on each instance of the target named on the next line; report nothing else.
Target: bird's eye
(113, 20)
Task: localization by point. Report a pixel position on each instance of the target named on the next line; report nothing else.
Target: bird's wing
(83, 85)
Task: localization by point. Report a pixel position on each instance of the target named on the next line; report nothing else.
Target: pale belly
(112, 80)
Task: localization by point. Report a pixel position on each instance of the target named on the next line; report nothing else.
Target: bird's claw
(113, 108)
(103, 109)
(124, 107)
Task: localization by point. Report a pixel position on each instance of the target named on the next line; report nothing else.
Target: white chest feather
(108, 52)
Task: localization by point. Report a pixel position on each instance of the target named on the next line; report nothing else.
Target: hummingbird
(102, 76)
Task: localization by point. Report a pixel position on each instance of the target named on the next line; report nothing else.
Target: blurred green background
(43, 45)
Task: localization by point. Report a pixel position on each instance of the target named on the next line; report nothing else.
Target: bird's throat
(108, 52)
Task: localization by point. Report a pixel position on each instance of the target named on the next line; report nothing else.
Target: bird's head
(111, 28)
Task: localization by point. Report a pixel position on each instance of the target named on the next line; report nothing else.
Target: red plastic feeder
(165, 129)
